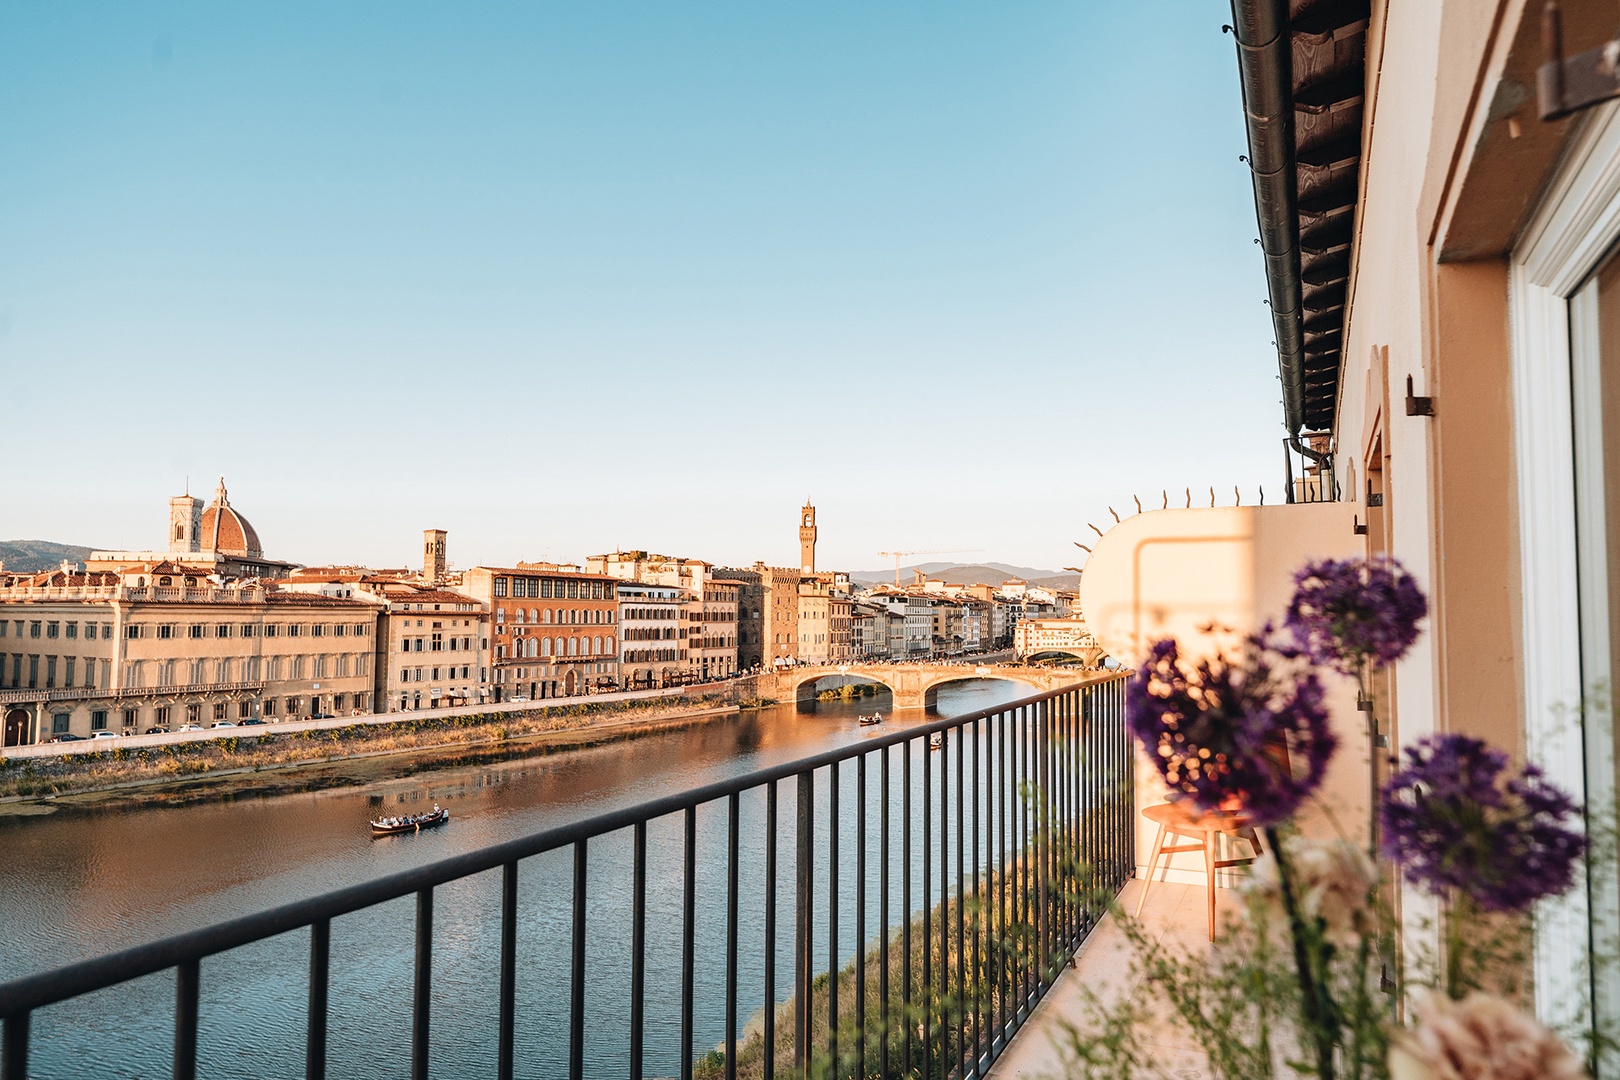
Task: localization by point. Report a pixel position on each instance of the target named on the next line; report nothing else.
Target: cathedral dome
(226, 531)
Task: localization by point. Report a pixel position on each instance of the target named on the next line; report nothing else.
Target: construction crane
(898, 555)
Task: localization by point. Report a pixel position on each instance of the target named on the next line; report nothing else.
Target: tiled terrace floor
(1175, 913)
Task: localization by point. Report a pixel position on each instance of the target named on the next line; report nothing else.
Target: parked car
(223, 723)
(104, 734)
(159, 730)
(252, 721)
(67, 737)
(189, 727)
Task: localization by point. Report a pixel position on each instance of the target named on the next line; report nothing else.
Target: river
(83, 882)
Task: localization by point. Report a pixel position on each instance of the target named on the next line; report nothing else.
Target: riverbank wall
(277, 756)
(731, 692)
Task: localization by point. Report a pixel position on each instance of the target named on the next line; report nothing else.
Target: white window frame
(1569, 236)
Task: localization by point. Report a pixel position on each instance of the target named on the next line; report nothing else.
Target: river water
(81, 883)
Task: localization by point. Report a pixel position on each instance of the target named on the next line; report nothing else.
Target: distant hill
(993, 573)
(28, 556)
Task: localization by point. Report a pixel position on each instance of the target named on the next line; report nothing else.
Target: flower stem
(1318, 1013)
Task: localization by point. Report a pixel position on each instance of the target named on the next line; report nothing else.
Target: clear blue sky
(566, 277)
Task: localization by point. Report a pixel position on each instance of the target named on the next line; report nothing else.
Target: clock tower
(807, 539)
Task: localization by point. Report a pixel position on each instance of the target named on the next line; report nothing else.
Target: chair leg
(1153, 862)
(1252, 837)
(1209, 877)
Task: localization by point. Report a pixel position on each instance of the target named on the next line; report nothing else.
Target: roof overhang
(1303, 69)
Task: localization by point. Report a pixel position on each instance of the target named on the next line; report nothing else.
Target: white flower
(1332, 881)
(1479, 1038)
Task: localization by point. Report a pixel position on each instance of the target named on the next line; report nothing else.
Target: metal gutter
(1265, 72)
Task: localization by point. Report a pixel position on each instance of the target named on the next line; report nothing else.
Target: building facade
(126, 652)
(553, 632)
(654, 650)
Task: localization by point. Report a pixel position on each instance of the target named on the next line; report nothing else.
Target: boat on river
(410, 823)
(868, 721)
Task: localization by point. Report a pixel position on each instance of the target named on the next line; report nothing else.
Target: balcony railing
(940, 877)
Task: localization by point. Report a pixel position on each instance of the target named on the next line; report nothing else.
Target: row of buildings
(210, 630)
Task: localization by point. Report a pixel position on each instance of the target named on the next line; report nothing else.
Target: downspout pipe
(1265, 70)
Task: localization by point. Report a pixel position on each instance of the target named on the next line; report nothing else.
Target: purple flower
(1223, 731)
(1453, 818)
(1345, 612)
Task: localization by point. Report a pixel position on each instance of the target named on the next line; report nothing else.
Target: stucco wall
(1171, 573)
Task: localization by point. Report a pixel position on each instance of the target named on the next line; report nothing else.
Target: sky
(562, 278)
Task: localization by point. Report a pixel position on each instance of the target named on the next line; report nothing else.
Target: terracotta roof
(535, 571)
(428, 596)
(276, 596)
(165, 566)
(57, 579)
(229, 533)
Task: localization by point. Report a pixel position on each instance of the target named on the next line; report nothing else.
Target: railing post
(320, 945)
(14, 1048)
(576, 981)
(424, 984)
(185, 1021)
(804, 929)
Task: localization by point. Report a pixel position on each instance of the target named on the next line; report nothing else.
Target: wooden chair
(1180, 819)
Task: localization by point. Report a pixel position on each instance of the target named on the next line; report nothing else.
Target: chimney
(433, 558)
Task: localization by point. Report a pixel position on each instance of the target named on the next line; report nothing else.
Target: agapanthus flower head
(1349, 611)
(1230, 731)
(1454, 817)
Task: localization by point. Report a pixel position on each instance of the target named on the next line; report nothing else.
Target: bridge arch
(930, 686)
(802, 682)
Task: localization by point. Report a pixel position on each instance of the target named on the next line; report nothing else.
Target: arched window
(610, 646)
(534, 615)
(573, 646)
(500, 615)
(548, 616)
(546, 648)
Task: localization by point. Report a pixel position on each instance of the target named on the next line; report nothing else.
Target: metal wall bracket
(1568, 84)
(1417, 406)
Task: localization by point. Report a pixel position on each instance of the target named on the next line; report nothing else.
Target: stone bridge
(914, 686)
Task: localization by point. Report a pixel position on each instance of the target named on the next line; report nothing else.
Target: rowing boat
(410, 823)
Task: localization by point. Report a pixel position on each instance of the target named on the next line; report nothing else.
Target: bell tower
(185, 524)
(433, 556)
(807, 539)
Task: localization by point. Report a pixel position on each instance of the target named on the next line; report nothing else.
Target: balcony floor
(1175, 914)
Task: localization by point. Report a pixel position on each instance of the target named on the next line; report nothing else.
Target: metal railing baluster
(576, 973)
(688, 941)
(959, 1019)
(944, 992)
(14, 1047)
(506, 1049)
(638, 950)
(860, 915)
(927, 909)
(769, 1069)
(804, 959)
(320, 957)
(905, 905)
(732, 845)
(885, 1013)
(185, 1020)
(833, 809)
